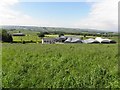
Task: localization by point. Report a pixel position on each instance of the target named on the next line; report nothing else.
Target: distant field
(26, 38)
(60, 66)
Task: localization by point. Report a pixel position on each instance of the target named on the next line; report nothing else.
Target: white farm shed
(90, 40)
(102, 40)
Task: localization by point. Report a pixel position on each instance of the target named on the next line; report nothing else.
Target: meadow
(34, 38)
(60, 65)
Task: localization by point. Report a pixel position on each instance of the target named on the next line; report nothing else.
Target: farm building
(62, 39)
(98, 40)
(69, 39)
(90, 40)
(102, 40)
(48, 40)
(18, 34)
(53, 40)
(73, 40)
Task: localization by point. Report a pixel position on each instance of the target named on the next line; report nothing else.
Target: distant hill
(52, 29)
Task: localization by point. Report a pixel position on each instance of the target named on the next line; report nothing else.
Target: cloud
(60, 0)
(8, 16)
(103, 15)
(8, 2)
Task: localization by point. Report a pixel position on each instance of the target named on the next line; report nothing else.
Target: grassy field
(26, 38)
(60, 66)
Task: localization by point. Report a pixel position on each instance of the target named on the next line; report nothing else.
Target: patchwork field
(26, 38)
(60, 66)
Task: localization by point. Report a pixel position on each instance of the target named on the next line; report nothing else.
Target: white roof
(90, 40)
(102, 40)
(68, 39)
(75, 40)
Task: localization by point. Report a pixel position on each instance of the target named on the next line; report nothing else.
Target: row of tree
(42, 34)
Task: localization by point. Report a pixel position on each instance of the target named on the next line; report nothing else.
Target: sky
(57, 13)
(84, 14)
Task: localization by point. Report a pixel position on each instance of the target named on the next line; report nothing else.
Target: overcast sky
(90, 14)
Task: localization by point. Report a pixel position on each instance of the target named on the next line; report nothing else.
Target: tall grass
(60, 66)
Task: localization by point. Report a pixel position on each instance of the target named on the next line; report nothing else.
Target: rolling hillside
(52, 29)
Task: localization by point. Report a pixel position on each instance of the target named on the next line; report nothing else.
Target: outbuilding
(73, 40)
(49, 40)
(104, 40)
(90, 41)
(18, 34)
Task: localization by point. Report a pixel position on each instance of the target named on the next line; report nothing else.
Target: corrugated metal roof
(90, 40)
(73, 40)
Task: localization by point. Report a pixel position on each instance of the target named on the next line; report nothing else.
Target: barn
(18, 34)
(62, 39)
(48, 40)
(73, 40)
(90, 41)
(104, 40)
(69, 39)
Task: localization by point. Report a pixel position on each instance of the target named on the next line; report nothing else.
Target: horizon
(97, 30)
(82, 15)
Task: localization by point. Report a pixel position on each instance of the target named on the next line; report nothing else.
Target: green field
(60, 66)
(26, 38)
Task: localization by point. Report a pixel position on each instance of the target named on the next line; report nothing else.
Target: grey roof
(73, 40)
(76, 40)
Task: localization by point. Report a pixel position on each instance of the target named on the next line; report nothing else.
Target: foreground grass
(56, 66)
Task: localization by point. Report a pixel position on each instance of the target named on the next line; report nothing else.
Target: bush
(23, 42)
(41, 34)
(6, 37)
(61, 34)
